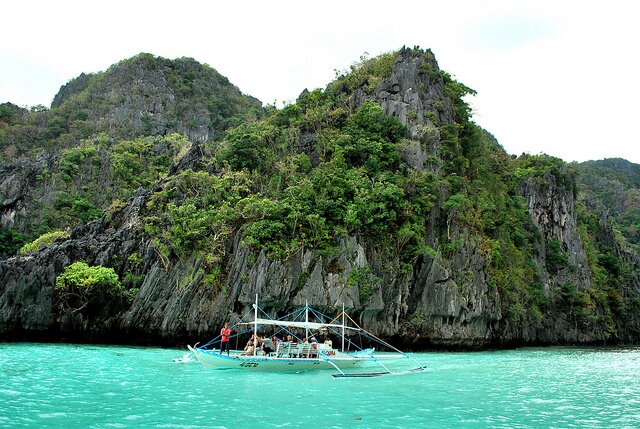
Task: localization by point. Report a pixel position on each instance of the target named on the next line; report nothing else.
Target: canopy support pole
(255, 326)
(342, 328)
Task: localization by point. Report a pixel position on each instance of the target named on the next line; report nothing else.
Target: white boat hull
(213, 359)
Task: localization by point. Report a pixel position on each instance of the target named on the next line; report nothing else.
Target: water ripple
(95, 387)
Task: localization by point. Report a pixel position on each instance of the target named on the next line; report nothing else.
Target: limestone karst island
(151, 202)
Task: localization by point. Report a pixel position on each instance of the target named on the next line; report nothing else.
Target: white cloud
(554, 77)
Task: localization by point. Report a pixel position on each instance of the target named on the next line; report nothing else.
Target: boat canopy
(298, 324)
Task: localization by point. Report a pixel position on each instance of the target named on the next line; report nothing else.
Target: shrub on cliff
(81, 275)
(81, 284)
(44, 240)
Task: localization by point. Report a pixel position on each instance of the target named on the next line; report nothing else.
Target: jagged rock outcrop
(450, 303)
(16, 180)
(414, 93)
(552, 207)
(551, 202)
(71, 88)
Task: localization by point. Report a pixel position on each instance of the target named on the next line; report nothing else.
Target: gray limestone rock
(414, 94)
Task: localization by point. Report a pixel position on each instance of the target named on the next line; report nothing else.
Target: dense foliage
(81, 275)
(358, 187)
(614, 184)
(80, 286)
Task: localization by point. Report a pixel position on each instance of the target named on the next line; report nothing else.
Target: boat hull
(213, 359)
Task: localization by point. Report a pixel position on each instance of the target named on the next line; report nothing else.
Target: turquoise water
(81, 386)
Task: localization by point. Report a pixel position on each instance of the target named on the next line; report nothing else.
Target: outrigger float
(299, 356)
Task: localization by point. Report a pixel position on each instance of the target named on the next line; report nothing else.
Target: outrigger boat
(299, 356)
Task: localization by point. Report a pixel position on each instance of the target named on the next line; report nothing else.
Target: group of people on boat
(260, 346)
(288, 346)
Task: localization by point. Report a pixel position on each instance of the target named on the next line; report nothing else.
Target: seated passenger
(248, 349)
(268, 346)
(313, 351)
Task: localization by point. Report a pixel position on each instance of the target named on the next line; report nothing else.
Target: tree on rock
(81, 286)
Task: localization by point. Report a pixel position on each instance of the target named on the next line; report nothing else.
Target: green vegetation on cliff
(351, 179)
(44, 240)
(417, 184)
(105, 135)
(85, 288)
(614, 185)
(95, 175)
(141, 96)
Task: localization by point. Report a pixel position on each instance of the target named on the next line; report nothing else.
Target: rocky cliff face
(16, 180)
(446, 299)
(71, 88)
(27, 304)
(552, 207)
(441, 303)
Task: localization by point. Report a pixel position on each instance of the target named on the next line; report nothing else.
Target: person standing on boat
(224, 341)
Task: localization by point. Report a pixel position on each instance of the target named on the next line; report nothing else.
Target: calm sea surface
(80, 386)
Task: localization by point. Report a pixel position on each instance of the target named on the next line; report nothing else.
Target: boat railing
(283, 349)
(308, 350)
(295, 350)
(292, 350)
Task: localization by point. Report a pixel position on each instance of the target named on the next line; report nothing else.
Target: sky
(555, 77)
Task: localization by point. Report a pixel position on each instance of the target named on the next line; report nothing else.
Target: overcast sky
(558, 77)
